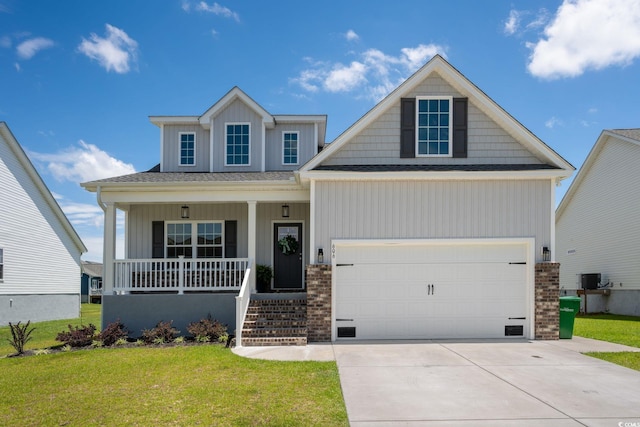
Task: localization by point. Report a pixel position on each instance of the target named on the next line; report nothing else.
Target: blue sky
(79, 79)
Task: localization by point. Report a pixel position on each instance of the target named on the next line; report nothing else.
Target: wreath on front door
(288, 245)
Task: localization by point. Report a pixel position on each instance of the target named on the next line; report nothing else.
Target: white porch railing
(178, 274)
(242, 303)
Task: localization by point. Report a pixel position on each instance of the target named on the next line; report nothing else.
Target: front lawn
(45, 333)
(612, 328)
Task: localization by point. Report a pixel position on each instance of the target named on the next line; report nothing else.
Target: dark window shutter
(407, 128)
(460, 127)
(157, 231)
(231, 239)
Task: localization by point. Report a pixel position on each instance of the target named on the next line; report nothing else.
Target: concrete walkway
(477, 383)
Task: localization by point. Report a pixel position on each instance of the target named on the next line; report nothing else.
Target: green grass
(45, 333)
(183, 385)
(612, 328)
(191, 385)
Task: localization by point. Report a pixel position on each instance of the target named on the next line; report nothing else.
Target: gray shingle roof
(434, 168)
(92, 269)
(175, 177)
(629, 133)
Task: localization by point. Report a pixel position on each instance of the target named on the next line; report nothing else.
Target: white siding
(601, 221)
(379, 143)
(432, 210)
(171, 151)
(39, 255)
(237, 112)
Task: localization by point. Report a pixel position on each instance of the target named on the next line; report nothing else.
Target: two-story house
(430, 217)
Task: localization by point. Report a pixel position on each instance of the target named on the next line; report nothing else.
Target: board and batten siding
(39, 255)
(600, 224)
(432, 210)
(237, 112)
(141, 217)
(171, 149)
(306, 145)
(379, 143)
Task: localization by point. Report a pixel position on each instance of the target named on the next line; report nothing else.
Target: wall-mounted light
(285, 211)
(320, 256)
(546, 254)
(184, 212)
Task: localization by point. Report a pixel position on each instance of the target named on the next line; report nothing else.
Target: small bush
(121, 341)
(163, 332)
(112, 333)
(78, 336)
(207, 330)
(21, 335)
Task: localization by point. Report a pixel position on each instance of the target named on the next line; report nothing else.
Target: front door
(287, 256)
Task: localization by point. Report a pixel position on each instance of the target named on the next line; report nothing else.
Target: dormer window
(290, 148)
(187, 149)
(237, 147)
(433, 130)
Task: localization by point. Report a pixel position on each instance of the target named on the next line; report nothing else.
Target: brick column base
(547, 305)
(318, 277)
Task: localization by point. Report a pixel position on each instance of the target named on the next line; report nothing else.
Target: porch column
(252, 241)
(109, 248)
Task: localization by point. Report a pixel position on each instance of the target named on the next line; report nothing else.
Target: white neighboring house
(39, 249)
(597, 227)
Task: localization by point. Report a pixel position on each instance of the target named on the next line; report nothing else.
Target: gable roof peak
(228, 98)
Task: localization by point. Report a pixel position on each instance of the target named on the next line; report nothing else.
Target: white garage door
(431, 290)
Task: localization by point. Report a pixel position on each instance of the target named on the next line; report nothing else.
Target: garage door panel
(431, 291)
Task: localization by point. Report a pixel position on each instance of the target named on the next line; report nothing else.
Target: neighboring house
(91, 284)
(427, 218)
(597, 224)
(39, 249)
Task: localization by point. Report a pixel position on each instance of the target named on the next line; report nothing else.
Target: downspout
(99, 199)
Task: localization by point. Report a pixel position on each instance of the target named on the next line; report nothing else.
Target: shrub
(78, 336)
(112, 333)
(21, 335)
(206, 330)
(163, 332)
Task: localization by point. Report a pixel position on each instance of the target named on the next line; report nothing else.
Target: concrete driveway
(484, 383)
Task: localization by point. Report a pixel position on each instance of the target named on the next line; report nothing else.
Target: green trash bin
(569, 307)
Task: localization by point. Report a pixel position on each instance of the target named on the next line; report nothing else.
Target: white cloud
(374, 75)
(82, 214)
(219, 10)
(5, 41)
(28, 48)
(553, 122)
(512, 22)
(352, 36)
(186, 6)
(94, 244)
(587, 34)
(84, 163)
(592, 110)
(17, 67)
(117, 51)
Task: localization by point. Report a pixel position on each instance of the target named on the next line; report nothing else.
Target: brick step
(259, 342)
(279, 303)
(278, 323)
(274, 332)
(278, 309)
(276, 316)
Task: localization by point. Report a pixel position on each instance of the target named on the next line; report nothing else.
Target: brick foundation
(547, 304)
(318, 302)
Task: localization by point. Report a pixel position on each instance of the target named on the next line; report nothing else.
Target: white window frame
(194, 237)
(1, 265)
(297, 133)
(450, 126)
(226, 145)
(180, 149)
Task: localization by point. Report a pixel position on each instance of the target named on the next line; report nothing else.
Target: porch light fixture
(320, 256)
(184, 212)
(546, 254)
(285, 211)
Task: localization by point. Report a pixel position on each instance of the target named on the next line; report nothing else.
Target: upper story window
(290, 148)
(194, 239)
(434, 124)
(1, 264)
(238, 145)
(187, 149)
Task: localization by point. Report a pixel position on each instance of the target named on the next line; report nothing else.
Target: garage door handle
(517, 318)
(344, 320)
(344, 265)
